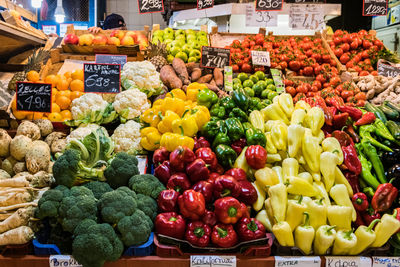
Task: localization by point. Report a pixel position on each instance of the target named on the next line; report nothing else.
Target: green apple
(237, 86)
(260, 75)
(169, 36)
(177, 43)
(175, 50)
(180, 32)
(195, 45)
(248, 83)
(192, 59)
(158, 33)
(242, 76)
(180, 37)
(191, 37)
(190, 31)
(201, 33)
(170, 58)
(182, 55)
(186, 48)
(203, 43)
(195, 53)
(168, 47)
(168, 31)
(202, 38)
(271, 87)
(236, 80)
(157, 39)
(269, 81)
(168, 41)
(253, 78)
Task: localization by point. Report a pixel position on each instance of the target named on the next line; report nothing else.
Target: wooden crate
(6, 14)
(222, 39)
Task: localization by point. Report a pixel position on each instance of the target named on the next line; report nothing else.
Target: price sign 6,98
(214, 57)
(102, 78)
(34, 97)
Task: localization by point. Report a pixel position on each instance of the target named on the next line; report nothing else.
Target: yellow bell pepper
(345, 241)
(319, 186)
(318, 212)
(339, 216)
(186, 126)
(258, 205)
(302, 105)
(172, 140)
(295, 133)
(263, 218)
(290, 167)
(385, 229)
(324, 238)
(285, 101)
(165, 124)
(283, 233)
(278, 196)
(158, 103)
(201, 115)
(304, 235)
(314, 119)
(365, 237)
(176, 105)
(311, 152)
(151, 116)
(328, 162)
(298, 116)
(268, 208)
(150, 138)
(196, 85)
(278, 171)
(279, 135)
(331, 144)
(306, 176)
(294, 213)
(341, 196)
(320, 135)
(271, 149)
(274, 112)
(265, 178)
(176, 93)
(341, 179)
(256, 119)
(298, 186)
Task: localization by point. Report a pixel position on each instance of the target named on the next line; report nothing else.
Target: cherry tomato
(320, 78)
(360, 103)
(288, 82)
(363, 73)
(317, 84)
(338, 52)
(335, 81)
(360, 96)
(374, 73)
(365, 54)
(366, 44)
(338, 33)
(291, 90)
(344, 58)
(283, 64)
(308, 71)
(235, 68)
(354, 45)
(301, 89)
(345, 47)
(246, 68)
(346, 94)
(294, 65)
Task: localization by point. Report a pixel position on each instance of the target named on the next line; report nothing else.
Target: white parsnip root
(17, 236)
(19, 218)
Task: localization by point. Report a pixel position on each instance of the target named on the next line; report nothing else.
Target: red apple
(86, 39)
(71, 39)
(100, 40)
(117, 33)
(127, 40)
(114, 41)
(132, 34)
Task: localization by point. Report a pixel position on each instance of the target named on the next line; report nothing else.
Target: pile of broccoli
(100, 217)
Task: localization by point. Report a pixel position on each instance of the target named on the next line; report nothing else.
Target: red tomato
(291, 90)
(344, 58)
(288, 82)
(357, 58)
(346, 94)
(346, 38)
(354, 45)
(337, 40)
(283, 64)
(246, 67)
(367, 61)
(294, 65)
(259, 68)
(338, 52)
(246, 44)
(365, 54)
(363, 73)
(320, 78)
(360, 96)
(301, 89)
(362, 33)
(350, 64)
(235, 68)
(375, 73)
(308, 71)
(366, 44)
(335, 81)
(317, 41)
(317, 84)
(378, 43)
(338, 33)
(345, 47)
(236, 43)
(360, 103)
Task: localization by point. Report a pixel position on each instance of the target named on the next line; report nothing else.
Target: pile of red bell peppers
(202, 203)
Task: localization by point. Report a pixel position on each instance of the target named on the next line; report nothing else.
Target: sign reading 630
(265, 5)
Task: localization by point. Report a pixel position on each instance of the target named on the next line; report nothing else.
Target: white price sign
(297, 261)
(142, 163)
(63, 261)
(385, 261)
(347, 262)
(260, 18)
(260, 58)
(49, 29)
(212, 261)
(306, 17)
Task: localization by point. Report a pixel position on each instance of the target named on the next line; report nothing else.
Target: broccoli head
(146, 184)
(117, 204)
(121, 169)
(50, 202)
(148, 205)
(98, 188)
(79, 205)
(94, 244)
(70, 170)
(134, 229)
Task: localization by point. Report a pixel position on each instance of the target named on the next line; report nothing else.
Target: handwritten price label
(204, 4)
(306, 17)
(34, 97)
(266, 5)
(260, 18)
(150, 6)
(63, 261)
(260, 58)
(375, 7)
(101, 78)
(297, 261)
(347, 262)
(388, 70)
(385, 262)
(112, 59)
(214, 57)
(212, 261)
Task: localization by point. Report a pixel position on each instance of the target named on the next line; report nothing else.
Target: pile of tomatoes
(358, 51)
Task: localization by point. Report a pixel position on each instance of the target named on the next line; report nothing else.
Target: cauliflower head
(82, 131)
(127, 138)
(130, 104)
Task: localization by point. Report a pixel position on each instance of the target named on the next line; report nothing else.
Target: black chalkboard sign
(102, 78)
(305, 1)
(34, 97)
(150, 6)
(266, 5)
(204, 4)
(388, 70)
(214, 57)
(112, 59)
(375, 7)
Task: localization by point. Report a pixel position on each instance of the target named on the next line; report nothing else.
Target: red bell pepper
(340, 120)
(360, 201)
(213, 176)
(367, 118)
(206, 188)
(209, 157)
(245, 210)
(198, 234)
(248, 193)
(180, 157)
(397, 212)
(218, 169)
(351, 159)
(163, 172)
(167, 200)
(200, 142)
(352, 133)
(197, 171)
(359, 220)
(192, 204)
(224, 236)
(228, 210)
(238, 145)
(256, 156)
(225, 185)
(343, 138)
(250, 229)
(209, 218)
(237, 173)
(160, 155)
(370, 215)
(354, 113)
(170, 224)
(384, 196)
(179, 182)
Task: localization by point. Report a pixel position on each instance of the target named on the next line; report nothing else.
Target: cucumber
(390, 113)
(394, 129)
(392, 105)
(378, 113)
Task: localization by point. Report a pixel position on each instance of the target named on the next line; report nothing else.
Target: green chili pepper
(241, 99)
(366, 174)
(365, 133)
(240, 114)
(382, 131)
(235, 128)
(256, 137)
(221, 138)
(226, 155)
(372, 154)
(206, 97)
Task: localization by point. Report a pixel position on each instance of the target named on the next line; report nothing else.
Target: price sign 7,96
(35, 97)
(265, 5)
(214, 57)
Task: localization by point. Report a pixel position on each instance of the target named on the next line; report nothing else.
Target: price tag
(347, 261)
(48, 29)
(63, 261)
(375, 7)
(150, 6)
(214, 57)
(34, 97)
(228, 78)
(260, 58)
(277, 77)
(112, 59)
(297, 261)
(385, 262)
(306, 17)
(142, 163)
(204, 4)
(212, 261)
(305, 1)
(260, 18)
(266, 5)
(388, 70)
(102, 78)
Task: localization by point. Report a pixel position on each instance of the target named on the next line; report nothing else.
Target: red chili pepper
(336, 101)
(343, 138)
(354, 113)
(197, 171)
(370, 215)
(209, 157)
(226, 186)
(167, 200)
(256, 156)
(320, 102)
(250, 229)
(228, 210)
(359, 220)
(248, 193)
(397, 212)
(209, 218)
(170, 224)
(340, 120)
(180, 157)
(163, 172)
(352, 133)
(206, 188)
(333, 110)
(351, 159)
(192, 204)
(200, 142)
(198, 234)
(224, 236)
(367, 118)
(237, 173)
(384, 196)
(179, 182)
(238, 145)
(360, 201)
(160, 155)
(353, 180)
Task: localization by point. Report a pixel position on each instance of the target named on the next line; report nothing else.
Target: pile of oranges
(65, 88)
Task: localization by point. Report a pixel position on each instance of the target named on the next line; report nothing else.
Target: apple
(127, 41)
(180, 32)
(86, 39)
(201, 38)
(143, 44)
(168, 31)
(180, 37)
(201, 33)
(157, 39)
(158, 33)
(132, 34)
(168, 41)
(178, 43)
(186, 48)
(169, 36)
(195, 53)
(114, 41)
(195, 45)
(192, 59)
(182, 55)
(100, 40)
(117, 33)
(175, 50)
(170, 58)
(71, 39)
(190, 37)
(190, 31)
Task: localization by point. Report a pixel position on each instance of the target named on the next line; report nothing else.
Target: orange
(63, 102)
(66, 114)
(75, 94)
(55, 107)
(55, 116)
(35, 116)
(20, 115)
(14, 104)
(67, 74)
(77, 75)
(62, 84)
(32, 76)
(66, 93)
(77, 85)
(53, 79)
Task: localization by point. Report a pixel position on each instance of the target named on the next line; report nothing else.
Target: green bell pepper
(228, 103)
(255, 104)
(212, 128)
(256, 137)
(365, 134)
(265, 93)
(272, 95)
(226, 156)
(235, 128)
(218, 111)
(247, 125)
(221, 138)
(372, 154)
(240, 114)
(206, 97)
(249, 91)
(241, 99)
(382, 131)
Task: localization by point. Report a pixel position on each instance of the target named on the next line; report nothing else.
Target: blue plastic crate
(45, 249)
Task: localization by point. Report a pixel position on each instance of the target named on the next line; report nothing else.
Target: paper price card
(347, 262)
(306, 17)
(63, 261)
(385, 262)
(212, 261)
(260, 58)
(297, 261)
(260, 18)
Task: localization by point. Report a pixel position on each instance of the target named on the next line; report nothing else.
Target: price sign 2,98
(214, 57)
(35, 97)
